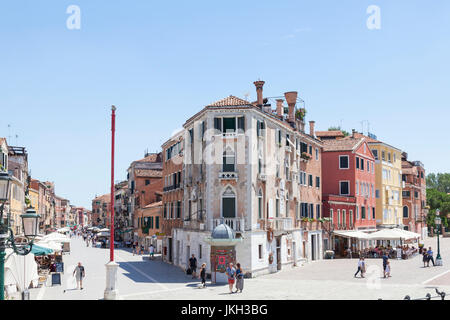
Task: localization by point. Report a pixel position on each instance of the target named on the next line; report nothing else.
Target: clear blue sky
(160, 62)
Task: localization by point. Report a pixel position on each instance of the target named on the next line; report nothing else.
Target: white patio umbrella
(55, 246)
(387, 234)
(408, 234)
(56, 237)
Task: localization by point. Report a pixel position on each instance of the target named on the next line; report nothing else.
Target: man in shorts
(151, 250)
(231, 273)
(79, 274)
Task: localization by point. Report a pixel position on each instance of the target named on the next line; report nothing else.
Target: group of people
(234, 275)
(139, 249)
(193, 270)
(427, 257)
(386, 265)
(90, 239)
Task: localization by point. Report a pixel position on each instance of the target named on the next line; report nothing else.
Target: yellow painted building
(34, 199)
(388, 184)
(17, 204)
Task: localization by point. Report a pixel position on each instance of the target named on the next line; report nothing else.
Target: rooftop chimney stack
(291, 99)
(311, 128)
(280, 107)
(259, 92)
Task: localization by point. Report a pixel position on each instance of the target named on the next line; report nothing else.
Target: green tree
(439, 181)
(438, 200)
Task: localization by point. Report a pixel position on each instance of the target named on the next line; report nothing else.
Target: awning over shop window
(352, 234)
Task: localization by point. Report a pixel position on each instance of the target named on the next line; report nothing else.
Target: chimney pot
(280, 107)
(259, 91)
(291, 99)
(311, 128)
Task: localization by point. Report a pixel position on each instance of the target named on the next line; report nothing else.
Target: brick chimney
(311, 128)
(280, 107)
(259, 92)
(291, 99)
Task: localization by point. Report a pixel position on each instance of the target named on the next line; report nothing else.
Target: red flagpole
(111, 237)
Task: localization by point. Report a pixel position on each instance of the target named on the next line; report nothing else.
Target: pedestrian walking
(203, 274)
(388, 269)
(79, 273)
(142, 249)
(193, 266)
(134, 248)
(239, 278)
(430, 257)
(231, 273)
(151, 251)
(385, 262)
(361, 267)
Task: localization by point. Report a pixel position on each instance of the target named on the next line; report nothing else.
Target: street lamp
(30, 222)
(437, 222)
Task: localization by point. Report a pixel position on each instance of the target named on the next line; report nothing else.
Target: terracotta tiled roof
(153, 157)
(103, 198)
(230, 102)
(347, 144)
(368, 139)
(148, 173)
(334, 133)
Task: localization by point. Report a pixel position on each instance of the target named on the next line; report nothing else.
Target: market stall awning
(55, 246)
(352, 234)
(40, 251)
(125, 231)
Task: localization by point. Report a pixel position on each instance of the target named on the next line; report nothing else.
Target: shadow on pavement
(157, 270)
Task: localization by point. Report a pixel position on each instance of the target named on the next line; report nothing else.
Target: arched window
(260, 204)
(229, 203)
(405, 212)
(229, 160)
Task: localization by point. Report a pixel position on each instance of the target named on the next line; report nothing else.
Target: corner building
(257, 171)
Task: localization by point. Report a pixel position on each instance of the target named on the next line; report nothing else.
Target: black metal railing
(428, 296)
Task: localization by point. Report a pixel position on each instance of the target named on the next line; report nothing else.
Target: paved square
(140, 278)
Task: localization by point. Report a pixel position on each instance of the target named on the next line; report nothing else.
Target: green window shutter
(241, 124)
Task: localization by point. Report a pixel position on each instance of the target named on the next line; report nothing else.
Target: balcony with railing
(282, 224)
(309, 225)
(228, 175)
(237, 224)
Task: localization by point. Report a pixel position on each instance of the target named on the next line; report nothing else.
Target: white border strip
(435, 277)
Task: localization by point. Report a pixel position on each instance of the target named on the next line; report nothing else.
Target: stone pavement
(140, 278)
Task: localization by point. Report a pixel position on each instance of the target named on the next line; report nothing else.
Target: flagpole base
(111, 292)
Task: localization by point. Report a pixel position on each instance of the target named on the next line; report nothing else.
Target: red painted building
(414, 196)
(348, 174)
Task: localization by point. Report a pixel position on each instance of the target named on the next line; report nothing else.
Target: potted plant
(300, 114)
(305, 156)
